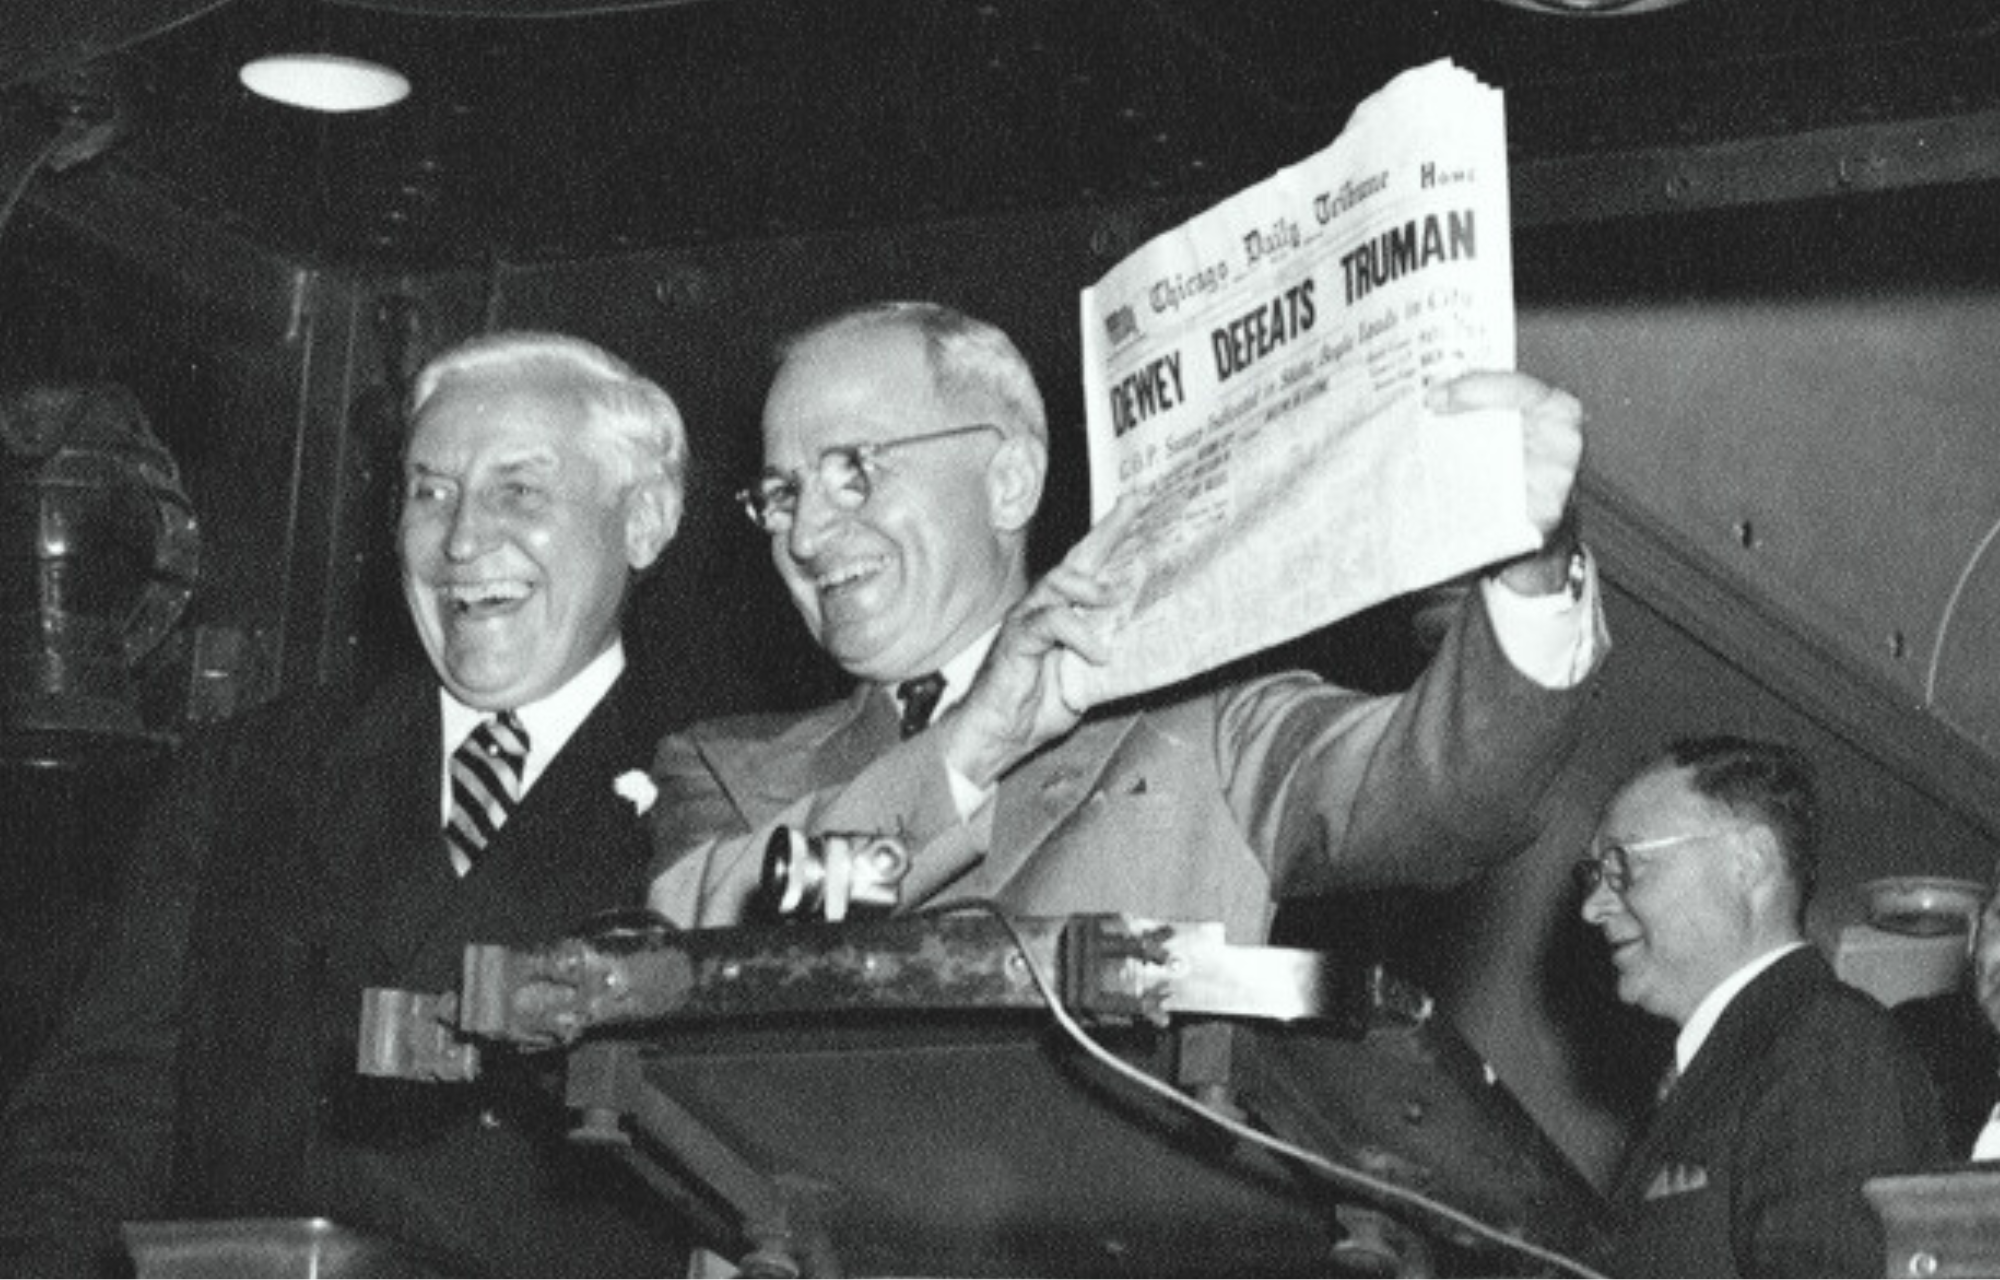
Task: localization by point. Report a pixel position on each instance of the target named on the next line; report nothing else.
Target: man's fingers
(1551, 431)
(1485, 389)
(1556, 418)
(1072, 605)
(1068, 584)
(1094, 550)
(1552, 437)
(1087, 631)
(1080, 578)
(1506, 389)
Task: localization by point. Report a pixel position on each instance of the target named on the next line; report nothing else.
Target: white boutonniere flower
(637, 786)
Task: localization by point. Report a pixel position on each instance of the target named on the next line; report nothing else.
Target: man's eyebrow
(536, 464)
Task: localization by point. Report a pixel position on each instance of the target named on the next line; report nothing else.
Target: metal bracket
(407, 1035)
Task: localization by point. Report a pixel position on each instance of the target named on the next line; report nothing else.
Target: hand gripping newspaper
(1255, 378)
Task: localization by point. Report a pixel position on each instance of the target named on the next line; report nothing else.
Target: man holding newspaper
(1266, 456)
(905, 450)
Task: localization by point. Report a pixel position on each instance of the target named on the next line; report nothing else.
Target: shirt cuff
(1553, 640)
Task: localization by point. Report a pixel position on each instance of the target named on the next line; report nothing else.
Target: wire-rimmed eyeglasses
(846, 474)
(1612, 864)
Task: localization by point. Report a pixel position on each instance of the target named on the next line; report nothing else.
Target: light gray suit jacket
(1207, 806)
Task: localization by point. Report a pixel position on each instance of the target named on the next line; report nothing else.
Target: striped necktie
(485, 785)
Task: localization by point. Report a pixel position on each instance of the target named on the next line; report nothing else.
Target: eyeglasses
(1612, 865)
(846, 474)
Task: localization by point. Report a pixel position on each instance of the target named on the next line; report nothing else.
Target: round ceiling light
(1594, 8)
(324, 82)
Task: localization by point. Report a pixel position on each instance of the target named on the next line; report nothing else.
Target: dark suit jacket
(1958, 1044)
(294, 859)
(1208, 806)
(1754, 1163)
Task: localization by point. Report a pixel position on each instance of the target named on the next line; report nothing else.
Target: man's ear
(1014, 482)
(1762, 860)
(652, 516)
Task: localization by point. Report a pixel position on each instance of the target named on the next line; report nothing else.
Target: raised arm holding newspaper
(905, 449)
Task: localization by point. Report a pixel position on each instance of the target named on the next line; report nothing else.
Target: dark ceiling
(543, 130)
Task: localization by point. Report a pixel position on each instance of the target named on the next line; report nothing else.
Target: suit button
(489, 1118)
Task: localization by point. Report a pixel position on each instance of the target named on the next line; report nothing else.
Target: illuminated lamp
(1594, 8)
(324, 82)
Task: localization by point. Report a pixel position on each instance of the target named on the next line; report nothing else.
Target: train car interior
(1754, 237)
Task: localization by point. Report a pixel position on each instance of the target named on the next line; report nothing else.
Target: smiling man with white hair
(321, 846)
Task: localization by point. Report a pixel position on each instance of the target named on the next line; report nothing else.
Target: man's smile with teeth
(464, 597)
(849, 573)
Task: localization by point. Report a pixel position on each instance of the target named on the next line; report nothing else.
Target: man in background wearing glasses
(906, 447)
(1792, 1088)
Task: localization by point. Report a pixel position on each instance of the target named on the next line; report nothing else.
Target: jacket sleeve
(1425, 787)
(1847, 1102)
(87, 1141)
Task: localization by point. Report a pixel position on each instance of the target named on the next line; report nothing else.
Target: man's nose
(816, 521)
(1600, 903)
(470, 531)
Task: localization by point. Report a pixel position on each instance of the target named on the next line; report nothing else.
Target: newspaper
(1256, 376)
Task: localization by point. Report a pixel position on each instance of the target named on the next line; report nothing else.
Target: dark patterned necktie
(485, 783)
(919, 698)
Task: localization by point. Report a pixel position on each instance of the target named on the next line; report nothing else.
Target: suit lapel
(1741, 1035)
(765, 775)
(828, 747)
(1744, 1031)
(1044, 791)
(870, 729)
(572, 847)
(379, 796)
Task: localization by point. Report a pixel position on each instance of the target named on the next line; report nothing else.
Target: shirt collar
(963, 666)
(550, 721)
(1706, 1014)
